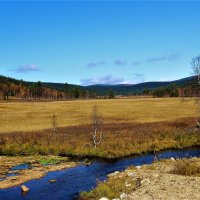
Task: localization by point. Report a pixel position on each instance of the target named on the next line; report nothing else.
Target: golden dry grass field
(28, 116)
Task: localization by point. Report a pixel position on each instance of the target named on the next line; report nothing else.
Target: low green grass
(50, 161)
(110, 189)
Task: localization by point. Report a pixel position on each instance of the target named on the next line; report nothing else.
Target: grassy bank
(29, 116)
(151, 182)
(111, 189)
(121, 139)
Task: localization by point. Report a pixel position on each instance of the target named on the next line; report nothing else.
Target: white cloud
(27, 68)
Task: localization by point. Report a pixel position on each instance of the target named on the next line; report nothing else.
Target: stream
(83, 178)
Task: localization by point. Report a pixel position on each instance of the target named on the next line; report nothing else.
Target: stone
(198, 125)
(113, 174)
(138, 167)
(52, 181)
(172, 159)
(131, 174)
(104, 198)
(123, 196)
(127, 185)
(24, 188)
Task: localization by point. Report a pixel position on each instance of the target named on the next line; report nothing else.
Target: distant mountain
(127, 89)
(120, 89)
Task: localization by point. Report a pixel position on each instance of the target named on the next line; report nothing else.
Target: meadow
(131, 126)
(32, 116)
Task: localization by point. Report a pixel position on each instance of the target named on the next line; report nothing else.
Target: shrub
(186, 167)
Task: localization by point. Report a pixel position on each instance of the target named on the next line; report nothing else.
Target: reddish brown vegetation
(120, 139)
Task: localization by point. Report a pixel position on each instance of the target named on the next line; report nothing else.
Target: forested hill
(10, 87)
(60, 90)
(125, 89)
(5, 79)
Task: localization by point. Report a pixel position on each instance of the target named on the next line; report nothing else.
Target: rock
(113, 174)
(104, 198)
(131, 174)
(138, 167)
(52, 181)
(123, 196)
(198, 125)
(172, 159)
(24, 188)
(127, 185)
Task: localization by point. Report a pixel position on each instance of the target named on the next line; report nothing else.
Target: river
(83, 178)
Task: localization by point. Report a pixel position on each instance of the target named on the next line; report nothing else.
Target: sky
(98, 42)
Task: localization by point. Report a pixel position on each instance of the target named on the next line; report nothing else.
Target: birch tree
(97, 123)
(196, 67)
(196, 71)
(54, 123)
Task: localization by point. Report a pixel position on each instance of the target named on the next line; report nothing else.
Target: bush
(186, 167)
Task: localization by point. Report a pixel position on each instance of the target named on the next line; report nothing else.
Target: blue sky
(103, 42)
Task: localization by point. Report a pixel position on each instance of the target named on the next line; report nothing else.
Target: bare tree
(97, 122)
(196, 71)
(54, 123)
(196, 67)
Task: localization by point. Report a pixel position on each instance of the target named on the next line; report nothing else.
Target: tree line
(11, 88)
(191, 89)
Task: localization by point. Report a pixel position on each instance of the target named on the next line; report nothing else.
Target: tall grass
(119, 139)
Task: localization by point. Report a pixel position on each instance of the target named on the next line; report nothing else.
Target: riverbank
(17, 170)
(71, 182)
(167, 179)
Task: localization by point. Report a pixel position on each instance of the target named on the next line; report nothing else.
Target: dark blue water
(83, 178)
(20, 167)
(12, 174)
(17, 167)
